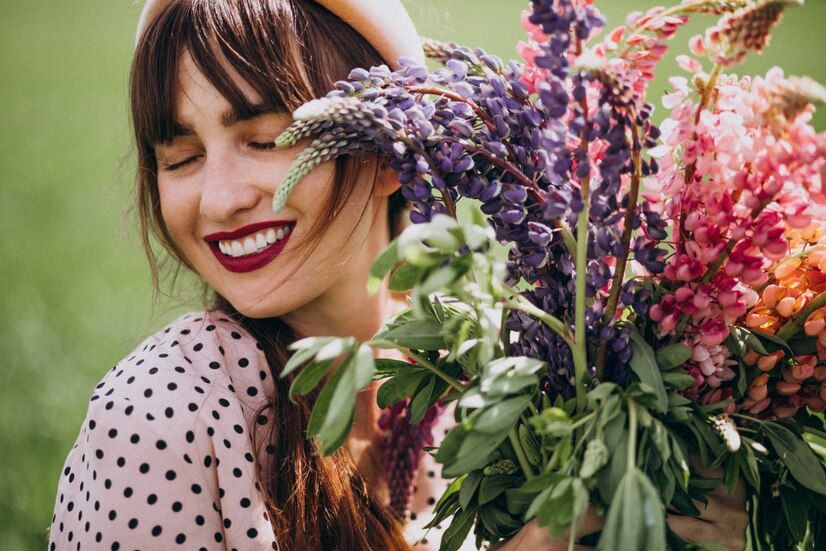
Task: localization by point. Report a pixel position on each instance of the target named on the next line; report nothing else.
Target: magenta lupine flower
(403, 446)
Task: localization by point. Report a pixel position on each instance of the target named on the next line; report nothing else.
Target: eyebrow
(228, 118)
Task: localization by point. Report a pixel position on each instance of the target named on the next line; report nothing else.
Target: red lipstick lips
(248, 263)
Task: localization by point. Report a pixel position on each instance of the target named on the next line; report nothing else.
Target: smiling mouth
(252, 252)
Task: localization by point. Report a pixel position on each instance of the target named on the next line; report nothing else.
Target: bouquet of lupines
(663, 301)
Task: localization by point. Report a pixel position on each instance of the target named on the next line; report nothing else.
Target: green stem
(579, 349)
(632, 434)
(816, 432)
(504, 333)
(424, 362)
(555, 324)
(520, 454)
(787, 331)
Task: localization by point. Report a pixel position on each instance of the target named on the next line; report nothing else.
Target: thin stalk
(632, 433)
(520, 454)
(692, 168)
(579, 350)
(816, 432)
(424, 362)
(622, 260)
(455, 97)
(787, 331)
(554, 324)
(504, 333)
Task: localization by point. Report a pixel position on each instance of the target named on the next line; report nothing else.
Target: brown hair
(289, 51)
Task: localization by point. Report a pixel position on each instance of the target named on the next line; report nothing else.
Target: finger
(690, 529)
(589, 524)
(731, 535)
(533, 534)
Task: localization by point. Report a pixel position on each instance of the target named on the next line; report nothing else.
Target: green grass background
(74, 287)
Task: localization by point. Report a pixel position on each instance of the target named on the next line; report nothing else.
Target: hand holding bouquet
(664, 296)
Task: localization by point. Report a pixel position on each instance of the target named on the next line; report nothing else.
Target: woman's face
(218, 175)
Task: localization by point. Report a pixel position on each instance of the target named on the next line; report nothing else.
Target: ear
(387, 180)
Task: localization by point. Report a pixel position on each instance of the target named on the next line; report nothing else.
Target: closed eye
(263, 146)
(255, 145)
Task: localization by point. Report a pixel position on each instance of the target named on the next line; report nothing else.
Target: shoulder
(201, 370)
(181, 362)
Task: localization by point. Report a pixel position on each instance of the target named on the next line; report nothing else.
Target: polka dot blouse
(164, 457)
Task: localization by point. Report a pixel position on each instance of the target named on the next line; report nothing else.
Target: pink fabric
(164, 457)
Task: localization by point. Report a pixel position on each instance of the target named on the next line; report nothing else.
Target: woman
(191, 439)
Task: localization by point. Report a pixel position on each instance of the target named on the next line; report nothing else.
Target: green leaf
(364, 368)
(458, 530)
(401, 386)
(419, 403)
(387, 367)
(388, 258)
(498, 522)
(798, 457)
(418, 334)
(796, 512)
(596, 456)
(446, 275)
(748, 465)
(474, 452)
(469, 487)
(710, 546)
(447, 504)
(673, 355)
(644, 365)
(340, 411)
(636, 518)
(306, 349)
(309, 378)
(492, 486)
(449, 449)
(333, 349)
(502, 415)
(678, 379)
(405, 277)
(322, 403)
(530, 444)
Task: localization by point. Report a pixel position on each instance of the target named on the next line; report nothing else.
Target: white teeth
(260, 240)
(253, 243)
(249, 245)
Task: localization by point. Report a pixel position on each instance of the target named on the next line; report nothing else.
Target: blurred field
(74, 287)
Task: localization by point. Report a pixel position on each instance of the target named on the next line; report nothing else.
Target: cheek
(179, 210)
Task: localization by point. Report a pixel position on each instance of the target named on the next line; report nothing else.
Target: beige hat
(385, 24)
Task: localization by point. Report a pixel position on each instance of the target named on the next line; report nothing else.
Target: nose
(228, 187)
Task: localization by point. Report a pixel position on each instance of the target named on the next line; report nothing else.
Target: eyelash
(255, 145)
